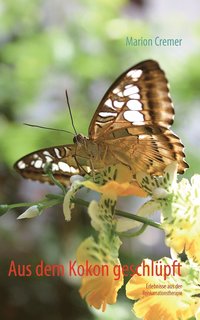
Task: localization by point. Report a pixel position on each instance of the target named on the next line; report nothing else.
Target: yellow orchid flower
(99, 285)
(160, 299)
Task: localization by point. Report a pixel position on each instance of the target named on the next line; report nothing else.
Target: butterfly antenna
(47, 128)
(70, 112)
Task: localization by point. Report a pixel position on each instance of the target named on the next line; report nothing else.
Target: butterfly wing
(62, 159)
(156, 151)
(151, 150)
(138, 104)
(140, 96)
(135, 113)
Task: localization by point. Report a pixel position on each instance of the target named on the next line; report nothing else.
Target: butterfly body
(131, 126)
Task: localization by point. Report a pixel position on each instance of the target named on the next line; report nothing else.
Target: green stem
(53, 179)
(23, 204)
(52, 200)
(133, 234)
(49, 201)
(124, 214)
(57, 183)
(55, 196)
(139, 218)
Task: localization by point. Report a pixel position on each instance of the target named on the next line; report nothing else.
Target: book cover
(99, 160)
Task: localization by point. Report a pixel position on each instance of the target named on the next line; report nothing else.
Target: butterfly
(130, 126)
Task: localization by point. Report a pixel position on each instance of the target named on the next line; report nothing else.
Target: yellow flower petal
(101, 290)
(184, 235)
(156, 303)
(113, 188)
(68, 205)
(98, 290)
(197, 314)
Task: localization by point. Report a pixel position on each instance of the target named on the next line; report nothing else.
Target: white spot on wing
(118, 104)
(120, 94)
(135, 74)
(55, 167)
(57, 152)
(35, 156)
(128, 86)
(46, 153)
(134, 105)
(48, 159)
(64, 166)
(131, 90)
(135, 96)
(107, 114)
(108, 103)
(73, 170)
(21, 165)
(38, 164)
(116, 90)
(142, 136)
(133, 116)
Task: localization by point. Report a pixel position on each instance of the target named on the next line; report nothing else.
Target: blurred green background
(47, 46)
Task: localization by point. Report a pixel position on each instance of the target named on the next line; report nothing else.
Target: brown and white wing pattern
(139, 97)
(153, 152)
(62, 161)
(138, 104)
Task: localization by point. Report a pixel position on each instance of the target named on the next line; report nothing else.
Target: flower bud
(30, 213)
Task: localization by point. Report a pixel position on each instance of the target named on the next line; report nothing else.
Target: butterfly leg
(92, 169)
(81, 168)
(77, 156)
(104, 154)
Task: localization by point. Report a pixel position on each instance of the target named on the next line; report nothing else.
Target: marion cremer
(154, 268)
